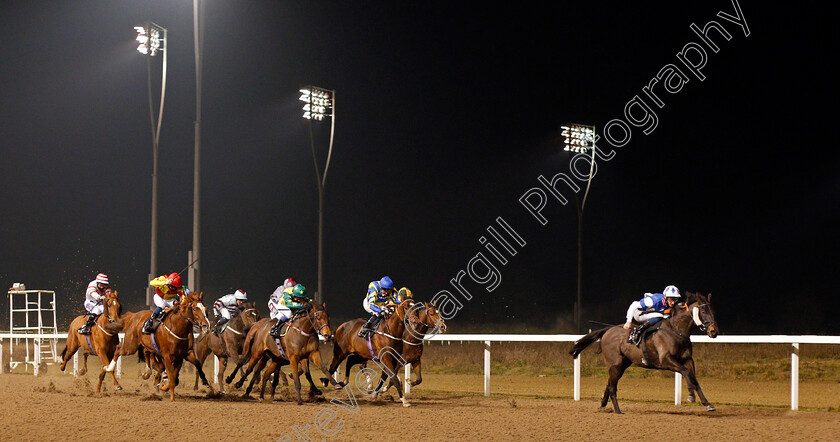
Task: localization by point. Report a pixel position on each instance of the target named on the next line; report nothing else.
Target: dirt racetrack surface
(57, 406)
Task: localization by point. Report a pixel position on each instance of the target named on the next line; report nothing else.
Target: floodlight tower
(319, 103)
(152, 39)
(579, 139)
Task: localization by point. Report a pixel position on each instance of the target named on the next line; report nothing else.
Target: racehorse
(429, 317)
(102, 341)
(667, 349)
(171, 344)
(229, 344)
(299, 342)
(385, 343)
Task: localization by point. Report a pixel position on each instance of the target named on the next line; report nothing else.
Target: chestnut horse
(104, 338)
(669, 348)
(385, 343)
(299, 343)
(229, 344)
(172, 339)
(429, 317)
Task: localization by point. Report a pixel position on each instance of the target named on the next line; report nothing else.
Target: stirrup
(363, 332)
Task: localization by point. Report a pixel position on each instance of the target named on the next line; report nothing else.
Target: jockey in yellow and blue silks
(379, 294)
(403, 294)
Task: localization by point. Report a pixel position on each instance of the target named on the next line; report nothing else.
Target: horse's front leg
(688, 373)
(416, 369)
(191, 358)
(293, 367)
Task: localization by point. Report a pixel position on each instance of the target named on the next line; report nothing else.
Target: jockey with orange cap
(168, 289)
(93, 301)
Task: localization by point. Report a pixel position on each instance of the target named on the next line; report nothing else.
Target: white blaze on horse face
(695, 313)
(203, 312)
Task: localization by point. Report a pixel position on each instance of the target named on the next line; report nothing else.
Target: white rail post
(37, 356)
(487, 368)
(76, 364)
(215, 368)
(407, 378)
(577, 378)
(3, 365)
(119, 368)
(677, 388)
(794, 377)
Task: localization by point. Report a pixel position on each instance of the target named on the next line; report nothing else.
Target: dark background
(445, 115)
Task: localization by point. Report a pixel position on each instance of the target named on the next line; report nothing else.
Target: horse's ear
(201, 296)
(324, 305)
(709, 298)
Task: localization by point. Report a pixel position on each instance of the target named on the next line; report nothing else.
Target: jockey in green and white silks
(294, 299)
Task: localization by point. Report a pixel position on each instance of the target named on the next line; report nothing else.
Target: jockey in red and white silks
(93, 301)
(95, 292)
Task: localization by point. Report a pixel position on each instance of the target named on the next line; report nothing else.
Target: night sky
(446, 115)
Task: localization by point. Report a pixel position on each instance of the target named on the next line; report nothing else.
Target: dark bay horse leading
(385, 344)
(669, 348)
(300, 342)
(228, 344)
(102, 341)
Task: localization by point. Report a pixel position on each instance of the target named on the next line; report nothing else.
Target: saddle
(155, 322)
(645, 333)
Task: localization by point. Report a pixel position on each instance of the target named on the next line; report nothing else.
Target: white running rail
(794, 341)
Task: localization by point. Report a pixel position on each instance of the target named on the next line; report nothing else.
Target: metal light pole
(319, 104)
(194, 274)
(579, 138)
(152, 39)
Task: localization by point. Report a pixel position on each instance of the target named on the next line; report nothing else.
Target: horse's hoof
(300, 403)
(316, 392)
(117, 388)
(692, 399)
(710, 408)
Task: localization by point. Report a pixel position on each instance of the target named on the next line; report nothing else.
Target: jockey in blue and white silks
(379, 294)
(649, 310)
(93, 301)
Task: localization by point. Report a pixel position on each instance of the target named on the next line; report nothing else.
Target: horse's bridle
(704, 325)
(312, 321)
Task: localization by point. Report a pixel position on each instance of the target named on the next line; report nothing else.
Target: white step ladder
(33, 312)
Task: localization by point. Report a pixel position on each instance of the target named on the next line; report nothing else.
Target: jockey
(294, 299)
(93, 301)
(168, 289)
(276, 299)
(649, 310)
(379, 294)
(224, 306)
(403, 294)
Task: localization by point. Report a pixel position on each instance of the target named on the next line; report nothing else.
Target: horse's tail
(586, 340)
(141, 355)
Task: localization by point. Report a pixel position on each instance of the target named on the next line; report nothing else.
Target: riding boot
(149, 325)
(367, 327)
(85, 330)
(219, 325)
(275, 329)
(636, 334)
